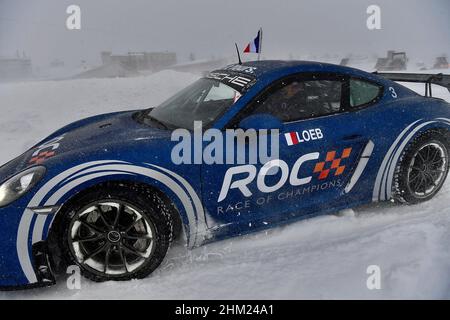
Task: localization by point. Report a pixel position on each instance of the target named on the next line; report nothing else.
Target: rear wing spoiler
(439, 79)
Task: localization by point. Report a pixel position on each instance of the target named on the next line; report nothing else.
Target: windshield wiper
(153, 119)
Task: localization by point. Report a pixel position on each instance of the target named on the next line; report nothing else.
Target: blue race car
(104, 193)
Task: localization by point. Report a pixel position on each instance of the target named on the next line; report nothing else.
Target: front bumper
(23, 264)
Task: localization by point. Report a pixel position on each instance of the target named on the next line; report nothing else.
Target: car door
(320, 146)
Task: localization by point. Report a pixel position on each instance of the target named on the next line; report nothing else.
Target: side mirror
(261, 121)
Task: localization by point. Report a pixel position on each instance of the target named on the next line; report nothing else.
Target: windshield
(203, 101)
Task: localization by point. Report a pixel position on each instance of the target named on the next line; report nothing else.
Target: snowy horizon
(208, 29)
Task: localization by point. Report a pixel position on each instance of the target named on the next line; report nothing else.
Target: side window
(297, 100)
(362, 92)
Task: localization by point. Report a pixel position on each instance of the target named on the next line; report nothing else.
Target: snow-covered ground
(324, 257)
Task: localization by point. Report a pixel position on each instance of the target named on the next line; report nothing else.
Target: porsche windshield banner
(236, 80)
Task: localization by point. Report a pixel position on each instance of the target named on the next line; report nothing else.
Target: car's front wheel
(115, 233)
(423, 168)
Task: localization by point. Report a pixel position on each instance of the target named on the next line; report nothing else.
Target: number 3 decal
(393, 93)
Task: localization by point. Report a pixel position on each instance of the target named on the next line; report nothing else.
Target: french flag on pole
(255, 45)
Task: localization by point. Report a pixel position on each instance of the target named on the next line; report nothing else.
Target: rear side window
(303, 99)
(362, 92)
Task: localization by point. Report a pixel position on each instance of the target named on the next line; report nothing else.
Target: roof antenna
(238, 54)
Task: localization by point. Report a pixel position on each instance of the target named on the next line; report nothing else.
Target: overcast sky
(210, 27)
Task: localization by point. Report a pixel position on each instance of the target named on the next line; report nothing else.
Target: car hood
(102, 131)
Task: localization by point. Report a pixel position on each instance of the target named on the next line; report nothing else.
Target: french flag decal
(292, 138)
(255, 45)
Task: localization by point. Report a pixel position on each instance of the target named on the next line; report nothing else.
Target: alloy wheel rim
(427, 168)
(111, 238)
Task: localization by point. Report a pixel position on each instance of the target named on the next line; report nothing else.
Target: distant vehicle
(104, 194)
(441, 63)
(353, 59)
(344, 62)
(395, 61)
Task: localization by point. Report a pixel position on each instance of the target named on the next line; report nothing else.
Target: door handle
(352, 137)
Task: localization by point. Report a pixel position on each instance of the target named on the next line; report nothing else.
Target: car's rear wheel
(423, 168)
(116, 233)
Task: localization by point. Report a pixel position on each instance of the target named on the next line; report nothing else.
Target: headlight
(17, 186)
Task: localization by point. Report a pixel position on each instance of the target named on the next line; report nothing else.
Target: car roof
(267, 67)
(268, 71)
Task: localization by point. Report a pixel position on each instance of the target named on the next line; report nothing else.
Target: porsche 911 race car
(104, 193)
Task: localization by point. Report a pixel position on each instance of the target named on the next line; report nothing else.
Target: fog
(209, 28)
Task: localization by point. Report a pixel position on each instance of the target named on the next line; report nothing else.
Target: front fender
(14, 274)
(25, 226)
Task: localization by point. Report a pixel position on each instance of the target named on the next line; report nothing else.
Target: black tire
(422, 168)
(80, 226)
